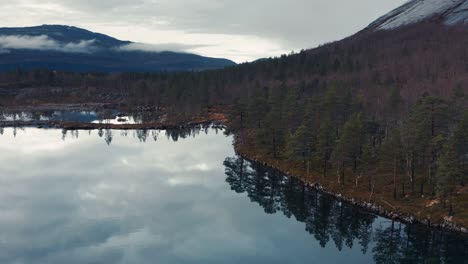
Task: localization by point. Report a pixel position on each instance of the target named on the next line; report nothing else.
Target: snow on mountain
(458, 14)
(450, 11)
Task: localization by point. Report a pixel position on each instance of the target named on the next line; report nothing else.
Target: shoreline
(205, 117)
(368, 206)
(95, 126)
(219, 120)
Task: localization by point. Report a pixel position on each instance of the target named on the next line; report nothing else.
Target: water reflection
(106, 116)
(98, 197)
(142, 135)
(331, 221)
(69, 116)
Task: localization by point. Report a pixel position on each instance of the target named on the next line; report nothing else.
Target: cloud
(293, 24)
(175, 47)
(260, 28)
(43, 42)
(102, 215)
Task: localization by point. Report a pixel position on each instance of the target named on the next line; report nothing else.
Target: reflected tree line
(77, 115)
(15, 130)
(332, 222)
(142, 135)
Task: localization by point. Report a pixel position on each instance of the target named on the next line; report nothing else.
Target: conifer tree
(349, 146)
(390, 158)
(325, 142)
(447, 176)
(300, 145)
(460, 147)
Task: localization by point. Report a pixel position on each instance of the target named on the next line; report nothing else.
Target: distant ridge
(60, 47)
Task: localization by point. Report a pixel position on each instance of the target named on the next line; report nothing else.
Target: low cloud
(43, 42)
(261, 28)
(175, 47)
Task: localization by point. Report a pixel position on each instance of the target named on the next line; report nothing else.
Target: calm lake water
(101, 117)
(181, 196)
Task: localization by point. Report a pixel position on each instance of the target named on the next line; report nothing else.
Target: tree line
(425, 148)
(333, 223)
(376, 109)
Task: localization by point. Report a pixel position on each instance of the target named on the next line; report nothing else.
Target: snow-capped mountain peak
(450, 11)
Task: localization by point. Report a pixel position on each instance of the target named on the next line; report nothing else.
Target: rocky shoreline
(218, 123)
(370, 207)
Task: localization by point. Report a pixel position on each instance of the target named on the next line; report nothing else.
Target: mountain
(68, 48)
(450, 12)
(382, 108)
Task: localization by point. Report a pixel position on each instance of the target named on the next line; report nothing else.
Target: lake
(181, 196)
(98, 117)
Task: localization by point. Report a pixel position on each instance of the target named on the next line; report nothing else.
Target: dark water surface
(181, 197)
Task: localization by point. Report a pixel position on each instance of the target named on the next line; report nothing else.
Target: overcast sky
(240, 30)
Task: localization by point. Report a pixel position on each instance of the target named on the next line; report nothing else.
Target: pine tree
(447, 176)
(257, 109)
(349, 146)
(390, 158)
(300, 145)
(428, 119)
(238, 117)
(325, 142)
(459, 142)
(330, 108)
(369, 159)
(291, 106)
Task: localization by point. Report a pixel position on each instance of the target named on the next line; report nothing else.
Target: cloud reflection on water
(141, 200)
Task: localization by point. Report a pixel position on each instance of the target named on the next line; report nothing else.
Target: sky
(240, 30)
